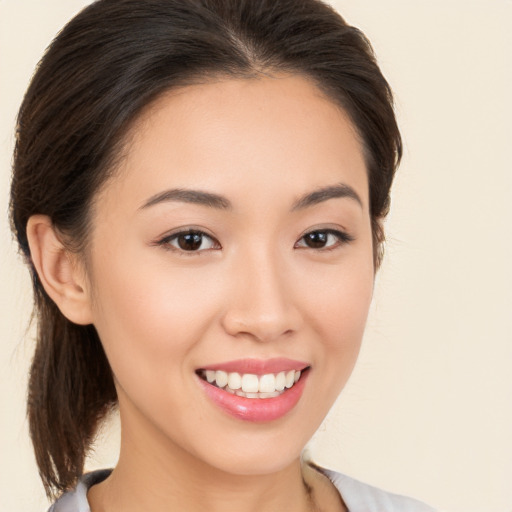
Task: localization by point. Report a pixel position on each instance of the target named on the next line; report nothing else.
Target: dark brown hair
(107, 65)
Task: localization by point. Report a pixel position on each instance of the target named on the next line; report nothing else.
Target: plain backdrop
(428, 411)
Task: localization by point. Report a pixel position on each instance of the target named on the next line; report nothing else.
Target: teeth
(250, 385)
(281, 380)
(290, 379)
(234, 381)
(254, 395)
(269, 395)
(267, 383)
(221, 378)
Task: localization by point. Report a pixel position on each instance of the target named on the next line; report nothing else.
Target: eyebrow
(189, 196)
(340, 190)
(217, 201)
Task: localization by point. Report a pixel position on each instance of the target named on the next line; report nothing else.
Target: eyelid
(341, 234)
(164, 240)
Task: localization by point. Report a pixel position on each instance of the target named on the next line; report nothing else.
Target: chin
(264, 451)
(264, 462)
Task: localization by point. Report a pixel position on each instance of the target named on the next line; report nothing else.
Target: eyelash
(341, 236)
(166, 241)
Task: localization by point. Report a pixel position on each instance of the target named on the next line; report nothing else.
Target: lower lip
(256, 409)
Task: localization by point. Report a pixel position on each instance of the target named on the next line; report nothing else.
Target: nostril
(259, 327)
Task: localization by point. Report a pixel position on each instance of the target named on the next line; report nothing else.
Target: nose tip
(259, 326)
(263, 307)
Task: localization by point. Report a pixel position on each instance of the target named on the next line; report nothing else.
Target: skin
(253, 290)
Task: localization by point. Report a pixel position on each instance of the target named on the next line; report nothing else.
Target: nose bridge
(262, 304)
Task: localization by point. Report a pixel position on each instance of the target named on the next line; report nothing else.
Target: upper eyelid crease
(192, 231)
(165, 241)
(342, 236)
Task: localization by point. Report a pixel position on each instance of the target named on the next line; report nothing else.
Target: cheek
(151, 326)
(149, 315)
(339, 297)
(343, 329)
(337, 304)
(346, 309)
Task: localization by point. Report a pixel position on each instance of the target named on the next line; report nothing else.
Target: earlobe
(58, 271)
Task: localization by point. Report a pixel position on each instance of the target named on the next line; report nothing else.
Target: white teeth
(269, 395)
(250, 385)
(254, 395)
(290, 379)
(281, 380)
(221, 378)
(267, 383)
(234, 380)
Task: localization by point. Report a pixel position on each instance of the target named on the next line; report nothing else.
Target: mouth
(254, 390)
(250, 385)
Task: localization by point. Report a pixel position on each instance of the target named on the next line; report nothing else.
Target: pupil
(316, 240)
(190, 241)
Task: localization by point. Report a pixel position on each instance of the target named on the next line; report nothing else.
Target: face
(233, 246)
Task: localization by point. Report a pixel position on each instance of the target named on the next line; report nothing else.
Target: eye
(190, 241)
(323, 239)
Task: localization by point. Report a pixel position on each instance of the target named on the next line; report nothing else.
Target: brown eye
(190, 241)
(316, 239)
(323, 239)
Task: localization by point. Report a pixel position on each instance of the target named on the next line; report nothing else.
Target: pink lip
(258, 366)
(256, 409)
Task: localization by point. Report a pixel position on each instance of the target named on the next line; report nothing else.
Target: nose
(262, 303)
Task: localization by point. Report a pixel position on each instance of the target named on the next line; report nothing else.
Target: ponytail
(70, 391)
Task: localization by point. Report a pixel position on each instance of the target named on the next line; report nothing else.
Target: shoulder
(361, 497)
(75, 500)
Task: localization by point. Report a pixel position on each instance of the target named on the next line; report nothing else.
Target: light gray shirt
(358, 497)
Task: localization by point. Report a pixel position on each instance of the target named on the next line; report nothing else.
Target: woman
(199, 188)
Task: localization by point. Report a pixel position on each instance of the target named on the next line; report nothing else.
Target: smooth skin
(254, 285)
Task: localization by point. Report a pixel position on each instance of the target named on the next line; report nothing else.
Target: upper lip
(258, 366)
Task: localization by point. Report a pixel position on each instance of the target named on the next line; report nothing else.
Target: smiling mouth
(250, 385)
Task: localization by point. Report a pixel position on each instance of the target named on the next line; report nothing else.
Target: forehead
(270, 136)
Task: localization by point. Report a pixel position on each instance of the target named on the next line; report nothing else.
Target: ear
(59, 272)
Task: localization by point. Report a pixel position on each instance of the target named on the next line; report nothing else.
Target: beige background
(428, 411)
